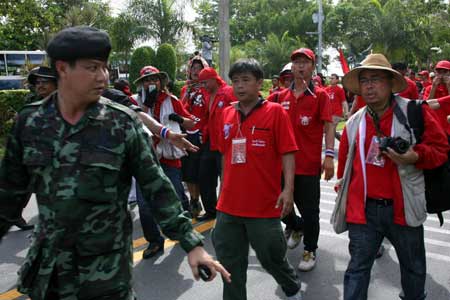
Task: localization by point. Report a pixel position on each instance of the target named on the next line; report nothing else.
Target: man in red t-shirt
(195, 100)
(309, 110)
(382, 191)
(220, 96)
(339, 106)
(275, 84)
(411, 92)
(258, 145)
(440, 88)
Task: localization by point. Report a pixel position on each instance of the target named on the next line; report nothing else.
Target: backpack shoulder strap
(415, 118)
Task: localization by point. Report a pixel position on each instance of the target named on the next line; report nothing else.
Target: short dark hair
(335, 75)
(247, 65)
(71, 63)
(399, 66)
(120, 84)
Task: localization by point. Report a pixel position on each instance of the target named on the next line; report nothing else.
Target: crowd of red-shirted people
(238, 134)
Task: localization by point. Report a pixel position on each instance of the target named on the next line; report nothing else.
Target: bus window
(2, 65)
(36, 59)
(14, 61)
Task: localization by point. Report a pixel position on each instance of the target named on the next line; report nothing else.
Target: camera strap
(376, 118)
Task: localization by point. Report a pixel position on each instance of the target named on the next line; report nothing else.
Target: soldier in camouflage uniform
(77, 152)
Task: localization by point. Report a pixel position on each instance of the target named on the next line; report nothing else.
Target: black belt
(380, 201)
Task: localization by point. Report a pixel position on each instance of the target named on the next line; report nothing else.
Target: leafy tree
(163, 19)
(141, 57)
(125, 32)
(166, 60)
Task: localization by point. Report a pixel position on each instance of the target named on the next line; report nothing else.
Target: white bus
(14, 67)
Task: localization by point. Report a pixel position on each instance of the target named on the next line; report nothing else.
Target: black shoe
(22, 224)
(153, 249)
(206, 217)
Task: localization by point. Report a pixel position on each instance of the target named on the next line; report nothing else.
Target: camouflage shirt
(81, 175)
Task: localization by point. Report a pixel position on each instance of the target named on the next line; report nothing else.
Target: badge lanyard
(239, 147)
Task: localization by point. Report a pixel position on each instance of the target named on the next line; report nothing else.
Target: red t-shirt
(308, 115)
(443, 112)
(385, 182)
(275, 89)
(251, 189)
(441, 91)
(196, 103)
(223, 98)
(178, 109)
(411, 91)
(337, 97)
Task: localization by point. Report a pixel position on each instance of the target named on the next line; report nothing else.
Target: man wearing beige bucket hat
(381, 191)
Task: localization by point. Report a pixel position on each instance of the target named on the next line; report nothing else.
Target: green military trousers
(231, 238)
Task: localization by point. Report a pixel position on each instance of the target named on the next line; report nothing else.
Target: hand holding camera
(398, 150)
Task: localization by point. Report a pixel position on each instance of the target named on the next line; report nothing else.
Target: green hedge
(11, 101)
(166, 60)
(141, 57)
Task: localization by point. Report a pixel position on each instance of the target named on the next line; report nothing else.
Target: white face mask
(151, 88)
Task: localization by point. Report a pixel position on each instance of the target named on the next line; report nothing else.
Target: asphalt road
(169, 277)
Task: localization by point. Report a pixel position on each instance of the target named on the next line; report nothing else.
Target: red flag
(344, 63)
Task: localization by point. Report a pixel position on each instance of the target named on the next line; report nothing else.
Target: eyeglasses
(373, 80)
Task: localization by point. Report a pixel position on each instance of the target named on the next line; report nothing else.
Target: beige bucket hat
(373, 62)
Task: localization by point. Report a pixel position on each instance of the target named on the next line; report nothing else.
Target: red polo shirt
(385, 182)
(196, 103)
(337, 97)
(411, 91)
(251, 189)
(177, 108)
(308, 115)
(223, 98)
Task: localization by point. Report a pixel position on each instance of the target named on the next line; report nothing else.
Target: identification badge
(374, 156)
(238, 151)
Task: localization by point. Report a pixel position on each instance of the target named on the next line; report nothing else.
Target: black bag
(437, 180)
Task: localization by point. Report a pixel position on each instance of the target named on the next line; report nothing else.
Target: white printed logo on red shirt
(259, 143)
(285, 104)
(305, 120)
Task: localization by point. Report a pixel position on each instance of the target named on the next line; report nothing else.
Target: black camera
(397, 144)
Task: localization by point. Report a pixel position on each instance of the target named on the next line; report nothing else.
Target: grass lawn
(340, 126)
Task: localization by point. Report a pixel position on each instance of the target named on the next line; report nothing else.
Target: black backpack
(437, 180)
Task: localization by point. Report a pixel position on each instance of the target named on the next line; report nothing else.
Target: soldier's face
(86, 79)
(44, 86)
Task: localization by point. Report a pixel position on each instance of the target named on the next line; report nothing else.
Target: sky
(118, 6)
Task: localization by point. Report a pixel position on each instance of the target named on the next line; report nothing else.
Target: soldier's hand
(328, 167)
(198, 256)
(286, 202)
(178, 140)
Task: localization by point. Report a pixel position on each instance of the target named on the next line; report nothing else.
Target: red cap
(443, 64)
(304, 51)
(424, 73)
(318, 79)
(210, 73)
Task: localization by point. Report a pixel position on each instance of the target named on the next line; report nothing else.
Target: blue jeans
(149, 226)
(365, 239)
(174, 175)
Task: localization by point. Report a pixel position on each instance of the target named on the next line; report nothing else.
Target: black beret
(79, 42)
